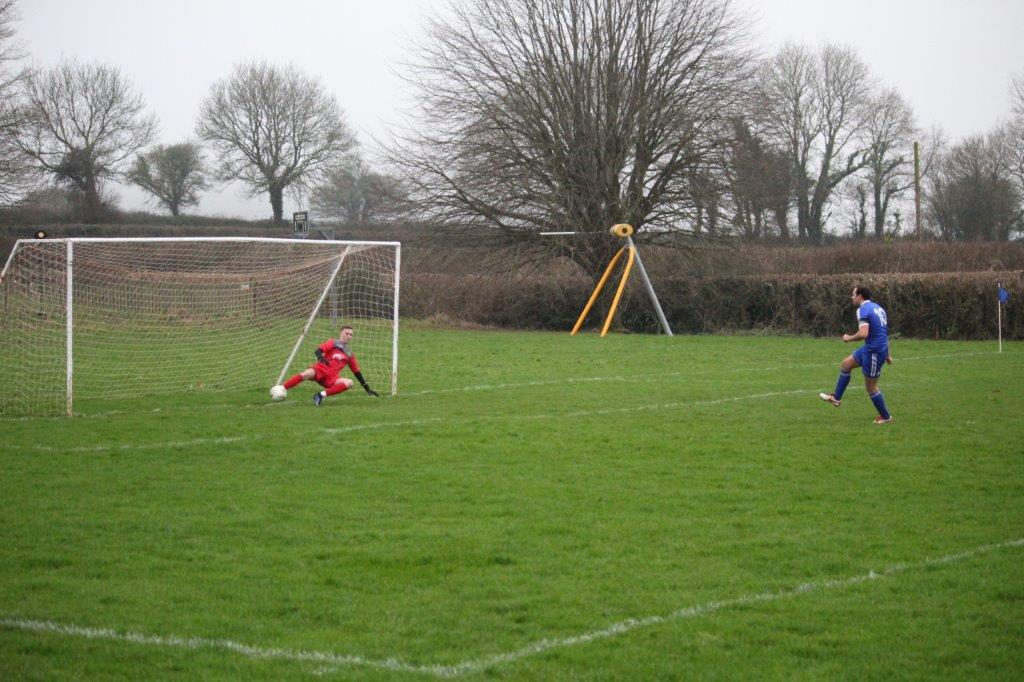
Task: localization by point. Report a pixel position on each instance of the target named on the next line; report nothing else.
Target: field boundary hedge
(959, 305)
(712, 294)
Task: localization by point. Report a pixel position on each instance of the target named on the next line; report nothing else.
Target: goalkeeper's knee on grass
(337, 388)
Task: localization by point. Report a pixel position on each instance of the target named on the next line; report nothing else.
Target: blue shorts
(870, 362)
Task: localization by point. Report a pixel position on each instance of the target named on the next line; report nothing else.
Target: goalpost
(84, 320)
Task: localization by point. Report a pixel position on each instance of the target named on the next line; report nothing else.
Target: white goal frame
(70, 243)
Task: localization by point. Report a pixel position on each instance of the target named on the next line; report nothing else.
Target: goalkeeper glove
(366, 386)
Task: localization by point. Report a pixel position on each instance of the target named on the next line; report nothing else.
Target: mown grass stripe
(334, 661)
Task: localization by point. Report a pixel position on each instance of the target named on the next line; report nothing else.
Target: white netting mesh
(171, 316)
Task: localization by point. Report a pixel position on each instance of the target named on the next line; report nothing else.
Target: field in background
(532, 506)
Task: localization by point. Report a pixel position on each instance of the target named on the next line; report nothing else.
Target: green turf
(529, 487)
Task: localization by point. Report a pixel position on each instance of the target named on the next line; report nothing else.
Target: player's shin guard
(841, 384)
(293, 381)
(879, 402)
(336, 389)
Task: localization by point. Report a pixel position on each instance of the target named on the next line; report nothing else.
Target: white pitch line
(619, 378)
(431, 420)
(483, 387)
(173, 641)
(897, 360)
(332, 430)
(152, 446)
(334, 661)
(561, 415)
(630, 624)
(659, 375)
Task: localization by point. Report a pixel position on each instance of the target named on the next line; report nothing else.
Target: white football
(278, 392)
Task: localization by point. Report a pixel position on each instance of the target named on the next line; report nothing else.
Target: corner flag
(1004, 295)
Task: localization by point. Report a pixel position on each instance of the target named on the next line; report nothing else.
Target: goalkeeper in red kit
(332, 356)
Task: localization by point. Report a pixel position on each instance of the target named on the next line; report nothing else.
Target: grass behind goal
(524, 494)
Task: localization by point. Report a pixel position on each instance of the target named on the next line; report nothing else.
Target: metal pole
(265, 240)
(394, 323)
(69, 316)
(999, 317)
(618, 292)
(597, 291)
(10, 259)
(650, 289)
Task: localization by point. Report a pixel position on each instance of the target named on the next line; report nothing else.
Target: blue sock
(841, 384)
(879, 402)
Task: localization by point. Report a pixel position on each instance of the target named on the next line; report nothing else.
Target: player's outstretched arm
(862, 333)
(366, 386)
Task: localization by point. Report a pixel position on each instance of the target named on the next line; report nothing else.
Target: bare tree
(11, 51)
(862, 220)
(357, 194)
(571, 114)
(759, 182)
(1017, 94)
(1012, 134)
(972, 195)
(889, 129)
(174, 175)
(707, 190)
(814, 105)
(273, 128)
(82, 123)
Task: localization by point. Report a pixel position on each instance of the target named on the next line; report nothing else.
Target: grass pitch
(532, 506)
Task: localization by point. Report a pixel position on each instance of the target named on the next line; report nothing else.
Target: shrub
(935, 305)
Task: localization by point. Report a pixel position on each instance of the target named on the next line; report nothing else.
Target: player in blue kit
(873, 328)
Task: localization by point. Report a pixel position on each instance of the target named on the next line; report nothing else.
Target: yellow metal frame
(600, 285)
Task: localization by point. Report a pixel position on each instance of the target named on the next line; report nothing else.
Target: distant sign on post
(300, 223)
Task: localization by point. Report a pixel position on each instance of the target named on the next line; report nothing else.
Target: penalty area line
(193, 643)
(630, 624)
(617, 378)
(620, 378)
(127, 447)
(330, 662)
(375, 426)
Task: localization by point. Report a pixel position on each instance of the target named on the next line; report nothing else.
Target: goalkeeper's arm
(366, 386)
(319, 355)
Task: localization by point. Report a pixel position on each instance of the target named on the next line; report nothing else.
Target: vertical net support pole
(69, 318)
(650, 289)
(394, 322)
(999, 316)
(312, 315)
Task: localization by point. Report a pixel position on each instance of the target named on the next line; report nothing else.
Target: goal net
(84, 321)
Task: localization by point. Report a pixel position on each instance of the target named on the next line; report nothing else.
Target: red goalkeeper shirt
(337, 356)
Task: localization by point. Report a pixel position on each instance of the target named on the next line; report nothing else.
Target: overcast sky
(952, 59)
